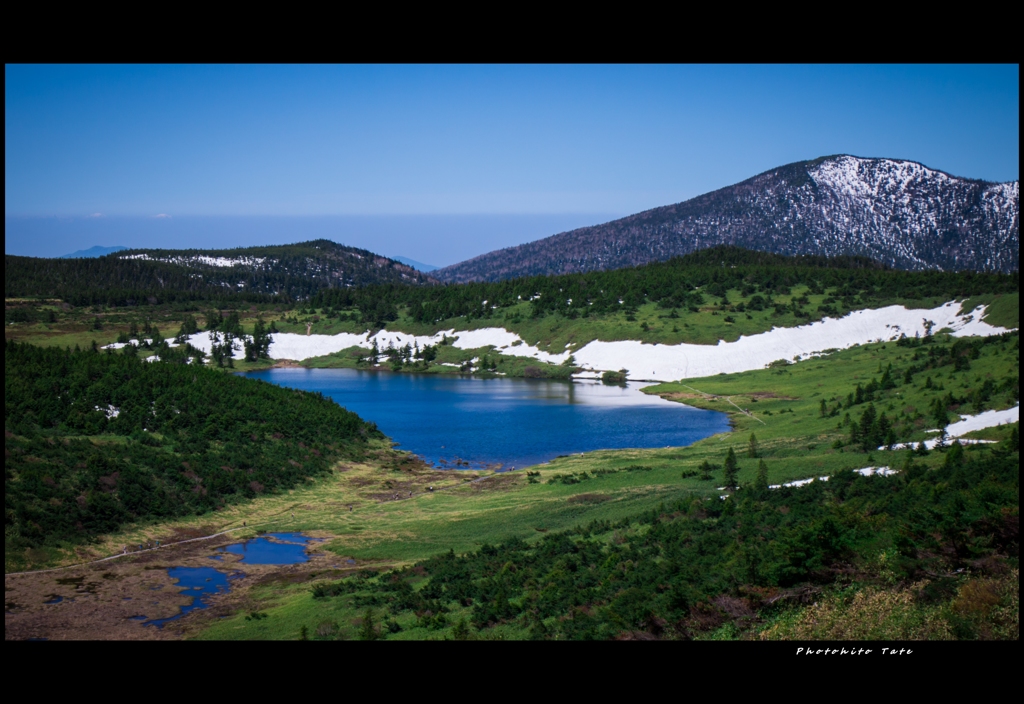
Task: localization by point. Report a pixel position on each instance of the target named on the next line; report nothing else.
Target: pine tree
(761, 484)
(367, 631)
(868, 427)
(940, 414)
(461, 630)
(731, 469)
(752, 450)
(823, 408)
(955, 455)
(705, 470)
(887, 382)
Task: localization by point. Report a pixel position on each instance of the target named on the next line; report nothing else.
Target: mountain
(296, 271)
(96, 251)
(900, 213)
(418, 266)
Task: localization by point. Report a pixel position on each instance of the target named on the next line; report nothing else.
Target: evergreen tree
(955, 455)
(258, 347)
(461, 630)
(761, 483)
(868, 428)
(731, 469)
(939, 414)
(367, 630)
(881, 429)
(887, 382)
(752, 449)
(705, 470)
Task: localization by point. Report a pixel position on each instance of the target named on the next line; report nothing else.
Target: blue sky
(440, 163)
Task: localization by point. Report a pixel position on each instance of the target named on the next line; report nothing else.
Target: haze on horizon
(442, 163)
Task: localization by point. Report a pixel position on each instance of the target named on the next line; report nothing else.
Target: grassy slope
(550, 332)
(794, 440)
(796, 444)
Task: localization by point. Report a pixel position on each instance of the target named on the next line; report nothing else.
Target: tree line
(96, 440)
(690, 568)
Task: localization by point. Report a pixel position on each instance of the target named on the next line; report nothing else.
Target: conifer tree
(761, 484)
(705, 470)
(752, 449)
(367, 630)
(731, 468)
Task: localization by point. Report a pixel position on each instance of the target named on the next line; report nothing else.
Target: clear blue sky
(549, 146)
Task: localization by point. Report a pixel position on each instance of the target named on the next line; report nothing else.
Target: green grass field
(354, 508)
(793, 438)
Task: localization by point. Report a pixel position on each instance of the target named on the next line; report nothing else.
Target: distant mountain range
(293, 270)
(419, 266)
(900, 213)
(96, 251)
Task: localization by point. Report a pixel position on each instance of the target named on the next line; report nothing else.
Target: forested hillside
(95, 440)
(132, 277)
(901, 213)
(683, 282)
(747, 566)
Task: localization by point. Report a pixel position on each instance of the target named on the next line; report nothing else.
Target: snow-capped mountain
(901, 213)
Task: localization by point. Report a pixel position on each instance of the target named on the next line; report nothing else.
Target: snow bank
(202, 341)
(663, 362)
(684, 361)
(967, 424)
(988, 419)
(201, 259)
(287, 345)
(863, 471)
(298, 347)
(880, 471)
(798, 482)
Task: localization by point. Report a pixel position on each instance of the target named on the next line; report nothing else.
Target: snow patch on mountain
(223, 262)
(663, 362)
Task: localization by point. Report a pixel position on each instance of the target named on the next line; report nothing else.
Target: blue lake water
(273, 549)
(200, 583)
(511, 422)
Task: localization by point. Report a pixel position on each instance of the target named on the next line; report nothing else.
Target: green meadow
(783, 425)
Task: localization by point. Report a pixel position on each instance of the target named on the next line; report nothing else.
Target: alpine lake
(462, 422)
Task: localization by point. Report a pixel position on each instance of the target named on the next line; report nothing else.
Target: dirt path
(729, 401)
(139, 552)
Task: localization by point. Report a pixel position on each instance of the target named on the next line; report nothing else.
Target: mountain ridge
(294, 271)
(899, 212)
(94, 251)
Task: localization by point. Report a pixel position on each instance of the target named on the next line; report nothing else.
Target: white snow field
(988, 419)
(685, 361)
(201, 259)
(863, 471)
(667, 362)
(968, 424)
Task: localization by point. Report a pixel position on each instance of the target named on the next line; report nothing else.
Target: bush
(618, 377)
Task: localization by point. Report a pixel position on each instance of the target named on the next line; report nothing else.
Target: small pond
(273, 549)
(201, 583)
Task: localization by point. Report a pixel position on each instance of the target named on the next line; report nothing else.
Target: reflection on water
(451, 420)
